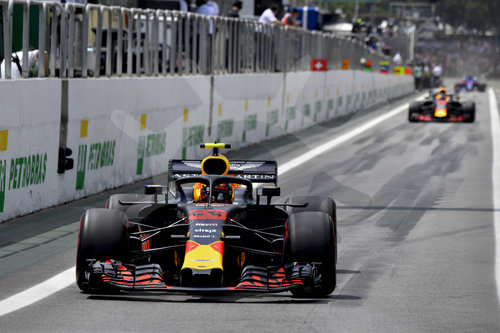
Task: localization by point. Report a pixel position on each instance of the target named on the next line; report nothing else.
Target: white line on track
(38, 292)
(66, 278)
(495, 136)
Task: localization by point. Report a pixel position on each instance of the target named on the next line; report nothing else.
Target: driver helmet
(221, 193)
(441, 93)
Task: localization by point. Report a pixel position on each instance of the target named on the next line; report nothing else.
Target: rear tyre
(469, 109)
(103, 235)
(311, 239)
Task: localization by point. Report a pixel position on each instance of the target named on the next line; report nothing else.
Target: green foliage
(481, 15)
(476, 14)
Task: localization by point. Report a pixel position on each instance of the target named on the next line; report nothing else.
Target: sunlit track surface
(416, 247)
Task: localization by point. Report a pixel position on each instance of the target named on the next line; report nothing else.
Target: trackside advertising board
(30, 114)
(126, 129)
(246, 108)
(132, 128)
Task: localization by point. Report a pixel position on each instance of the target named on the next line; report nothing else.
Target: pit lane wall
(125, 129)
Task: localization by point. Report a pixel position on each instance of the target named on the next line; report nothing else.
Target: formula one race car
(218, 234)
(469, 83)
(442, 107)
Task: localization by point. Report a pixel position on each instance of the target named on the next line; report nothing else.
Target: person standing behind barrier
(292, 18)
(269, 16)
(235, 9)
(436, 74)
(233, 48)
(183, 6)
(17, 64)
(209, 8)
(417, 75)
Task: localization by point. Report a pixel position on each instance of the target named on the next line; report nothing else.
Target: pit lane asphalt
(416, 242)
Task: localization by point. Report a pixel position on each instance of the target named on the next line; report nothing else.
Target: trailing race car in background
(218, 234)
(469, 83)
(442, 107)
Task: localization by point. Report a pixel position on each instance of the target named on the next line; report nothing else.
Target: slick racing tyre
(469, 109)
(312, 240)
(102, 236)
(414, 111)
(130, 210)
(316, 204)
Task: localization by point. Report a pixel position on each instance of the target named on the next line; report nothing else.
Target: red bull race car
(442, 107)
(470, 83)
(210, 229)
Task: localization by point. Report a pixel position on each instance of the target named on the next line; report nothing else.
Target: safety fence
(96, 40)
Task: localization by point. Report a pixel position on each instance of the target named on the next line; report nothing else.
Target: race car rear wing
(255, 171)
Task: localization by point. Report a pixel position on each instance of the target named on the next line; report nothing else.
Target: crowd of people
(464, 55)
(209, 7)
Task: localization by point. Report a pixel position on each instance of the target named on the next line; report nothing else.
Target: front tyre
(469, 111)
(322, 204)
(103, 235)
(311, 239)
(414, 112)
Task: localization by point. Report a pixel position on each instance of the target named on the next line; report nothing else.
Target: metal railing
(95, 40)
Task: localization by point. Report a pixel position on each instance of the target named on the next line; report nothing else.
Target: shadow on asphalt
(218, 298)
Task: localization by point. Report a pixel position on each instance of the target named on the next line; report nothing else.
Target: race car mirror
(269, 192)
(153, 189)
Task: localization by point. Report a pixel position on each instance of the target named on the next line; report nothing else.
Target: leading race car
(442, 107)
(469, 83)
(219, 234)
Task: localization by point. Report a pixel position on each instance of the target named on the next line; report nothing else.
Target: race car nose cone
(201, 277)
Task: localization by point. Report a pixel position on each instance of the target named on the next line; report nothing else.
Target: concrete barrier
(125, 129)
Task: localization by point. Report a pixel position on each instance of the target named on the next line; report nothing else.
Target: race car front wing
(113, 275)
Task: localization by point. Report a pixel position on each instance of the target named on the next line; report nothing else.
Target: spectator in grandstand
(291, 18)
(17, 64)
(235, 9)
(269, 16)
